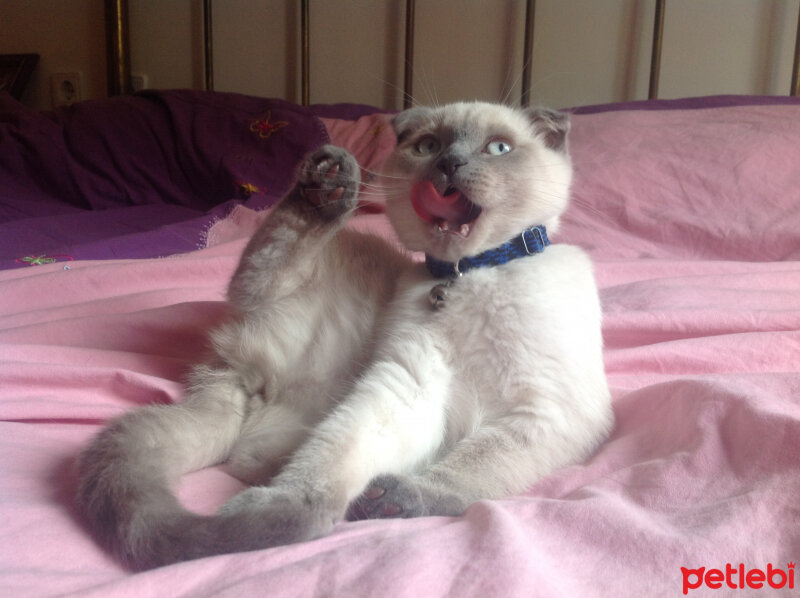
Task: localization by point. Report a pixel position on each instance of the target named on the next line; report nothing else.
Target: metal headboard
(119, 64)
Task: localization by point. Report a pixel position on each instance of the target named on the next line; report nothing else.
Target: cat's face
(468, 177)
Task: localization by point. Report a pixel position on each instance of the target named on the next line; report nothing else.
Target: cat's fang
(462, 230)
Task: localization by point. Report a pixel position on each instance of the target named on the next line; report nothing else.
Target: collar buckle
(537, 243)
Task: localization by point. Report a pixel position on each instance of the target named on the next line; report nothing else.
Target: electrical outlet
(65, 88)
(138, 82)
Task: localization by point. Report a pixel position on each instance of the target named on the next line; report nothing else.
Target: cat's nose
(449, 164)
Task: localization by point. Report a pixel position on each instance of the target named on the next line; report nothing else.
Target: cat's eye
(427, 145)
(498, 147)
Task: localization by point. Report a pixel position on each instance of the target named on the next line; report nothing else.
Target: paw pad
(387, 497)
(329, 179)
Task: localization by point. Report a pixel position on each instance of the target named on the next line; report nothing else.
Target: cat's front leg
(285, 251)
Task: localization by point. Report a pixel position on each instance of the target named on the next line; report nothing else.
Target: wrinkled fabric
(692, 220)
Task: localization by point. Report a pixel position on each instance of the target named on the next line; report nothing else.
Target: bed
(121, 221)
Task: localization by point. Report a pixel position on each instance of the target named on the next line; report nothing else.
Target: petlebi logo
(738, 577)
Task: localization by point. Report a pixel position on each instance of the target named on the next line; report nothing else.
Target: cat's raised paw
(328, 180)
(388, 496)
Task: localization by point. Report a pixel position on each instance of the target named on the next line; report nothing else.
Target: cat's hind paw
(328, 180)
(389, 496)
(262, 517)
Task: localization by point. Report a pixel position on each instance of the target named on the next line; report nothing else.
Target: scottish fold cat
(353, 382)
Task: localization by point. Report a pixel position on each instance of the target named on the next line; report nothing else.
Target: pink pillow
(370, 139)
(718, 183)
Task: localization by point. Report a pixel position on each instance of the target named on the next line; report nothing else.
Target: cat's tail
(127, 473)
(124, 493)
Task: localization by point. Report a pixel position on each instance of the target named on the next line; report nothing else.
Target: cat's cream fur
(337, 389)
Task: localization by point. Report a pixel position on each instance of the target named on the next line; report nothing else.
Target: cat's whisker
(428, 88)
(516, 81)
(378, 174)
(586, 205)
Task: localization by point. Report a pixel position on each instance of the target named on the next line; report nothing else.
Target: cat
(354, 382)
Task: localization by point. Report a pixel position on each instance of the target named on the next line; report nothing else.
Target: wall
(728, 46)
(68, 35)
(166, 36)
(585, 51)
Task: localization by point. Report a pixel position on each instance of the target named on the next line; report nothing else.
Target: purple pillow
(190, 148)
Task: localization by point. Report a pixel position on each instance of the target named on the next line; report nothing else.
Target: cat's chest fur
(496, 330)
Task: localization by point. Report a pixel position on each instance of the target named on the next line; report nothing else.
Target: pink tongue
(433, 207)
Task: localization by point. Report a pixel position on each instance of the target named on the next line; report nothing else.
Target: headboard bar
(408, 78)
(208, 47)
(655, 57)
(305, 52)
(527, 52)
(795, 88)
(118, 56)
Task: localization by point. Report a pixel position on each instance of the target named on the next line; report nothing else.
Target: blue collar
(531, 241)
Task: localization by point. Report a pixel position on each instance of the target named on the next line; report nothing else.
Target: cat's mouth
(450, 211)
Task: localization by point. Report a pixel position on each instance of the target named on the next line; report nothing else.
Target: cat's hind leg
(492, 462)
(269, 436)
(393, 420)
(501, 458)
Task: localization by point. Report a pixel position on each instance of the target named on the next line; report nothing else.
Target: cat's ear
(552, 125)
(408, 121)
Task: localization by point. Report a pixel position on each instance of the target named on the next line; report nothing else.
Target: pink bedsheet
(695, 493)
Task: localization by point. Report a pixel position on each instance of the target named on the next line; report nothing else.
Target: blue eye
(498, 147)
